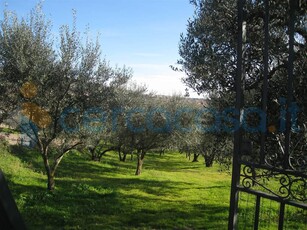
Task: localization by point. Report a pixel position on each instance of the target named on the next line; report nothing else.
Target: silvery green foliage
(64, 71)
(208, 57)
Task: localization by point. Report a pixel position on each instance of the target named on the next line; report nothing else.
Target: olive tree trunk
(140, 161)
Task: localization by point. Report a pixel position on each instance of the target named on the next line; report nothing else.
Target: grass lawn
(171, 193)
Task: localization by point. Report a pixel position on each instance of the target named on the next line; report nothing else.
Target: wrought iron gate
(265, 173)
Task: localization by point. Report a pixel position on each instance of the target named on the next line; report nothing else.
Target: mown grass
(171, 193)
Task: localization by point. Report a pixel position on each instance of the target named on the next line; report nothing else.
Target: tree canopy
(208, 53)
(52, 81)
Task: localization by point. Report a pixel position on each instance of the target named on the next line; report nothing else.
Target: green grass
(9, 130)
(171, 193)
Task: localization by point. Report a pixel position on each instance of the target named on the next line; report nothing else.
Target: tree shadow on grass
(29, 156)
(151, 187)
(168, 164)
(88, 196)
(42, 209)
(119, 207)
(104, 198)
(71, 165)
(179, 216)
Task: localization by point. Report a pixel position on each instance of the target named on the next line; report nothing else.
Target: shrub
(4, 144)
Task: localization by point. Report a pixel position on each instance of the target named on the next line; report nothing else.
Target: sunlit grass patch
(171, 193)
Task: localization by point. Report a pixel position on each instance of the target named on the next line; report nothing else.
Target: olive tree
(208, 53)
(56, 85)
(141, 125)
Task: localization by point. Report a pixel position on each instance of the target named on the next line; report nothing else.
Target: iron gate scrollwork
(276, 167)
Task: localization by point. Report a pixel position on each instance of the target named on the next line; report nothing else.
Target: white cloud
(161, 84)
(160, 79)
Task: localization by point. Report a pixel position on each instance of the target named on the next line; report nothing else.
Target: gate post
(10, 217)
(236, 166)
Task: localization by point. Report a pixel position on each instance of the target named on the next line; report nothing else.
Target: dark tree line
(208, 58)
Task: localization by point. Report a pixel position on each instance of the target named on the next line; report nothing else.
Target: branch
(270, 75)
(72, 147)
(107, 150)
(280, 144)
(60, 156)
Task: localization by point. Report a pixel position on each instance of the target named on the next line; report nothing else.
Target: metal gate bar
(293, 5)
(265, 75)
(236, 167)
(293, 176)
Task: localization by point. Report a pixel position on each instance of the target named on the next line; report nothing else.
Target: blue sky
(141, 34)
